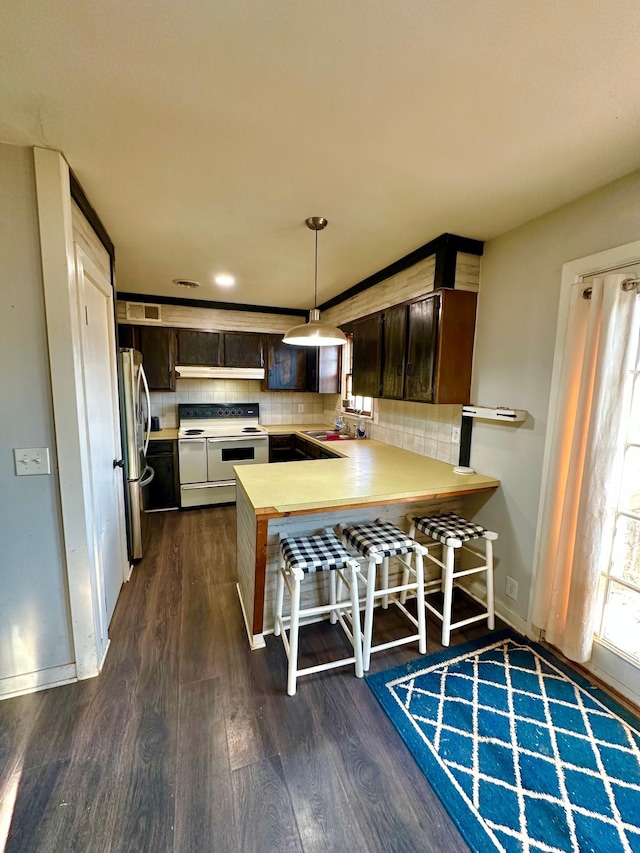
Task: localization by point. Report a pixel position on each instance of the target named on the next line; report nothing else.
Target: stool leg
(279, 599)
(448, 594)
(293, 637)
(385, 582)
(333, 616)
(420, 608)
(491, 622)
(355, 620)
(405, 571)
(368, 615)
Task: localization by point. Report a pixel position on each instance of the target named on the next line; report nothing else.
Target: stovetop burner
(193, 431)
(251, 429)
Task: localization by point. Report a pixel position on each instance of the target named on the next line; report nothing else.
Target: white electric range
(212, 439)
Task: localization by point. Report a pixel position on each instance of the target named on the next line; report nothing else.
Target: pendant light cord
(315, 286)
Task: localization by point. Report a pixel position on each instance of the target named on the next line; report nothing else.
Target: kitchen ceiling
(204, 133)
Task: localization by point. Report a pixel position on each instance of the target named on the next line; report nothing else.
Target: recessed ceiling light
(186, 282)
(225, 280)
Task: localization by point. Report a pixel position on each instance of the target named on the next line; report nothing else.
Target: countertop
(164, 434)
(369, 472)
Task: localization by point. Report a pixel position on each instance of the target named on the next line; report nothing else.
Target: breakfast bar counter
(370, 480)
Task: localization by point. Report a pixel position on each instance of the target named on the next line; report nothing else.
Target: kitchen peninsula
(370, 480)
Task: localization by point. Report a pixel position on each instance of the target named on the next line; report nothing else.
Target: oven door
(224, 453)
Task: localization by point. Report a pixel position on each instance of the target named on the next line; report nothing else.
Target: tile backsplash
(419, 427)
(276, 407)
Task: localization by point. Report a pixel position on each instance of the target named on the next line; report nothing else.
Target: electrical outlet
(300, 407)
(511, 589)
(455, 435)
(31, 460)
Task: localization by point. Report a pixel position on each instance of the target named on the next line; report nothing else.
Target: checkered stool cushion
(378, 537)
(448, 526)
(319, 553)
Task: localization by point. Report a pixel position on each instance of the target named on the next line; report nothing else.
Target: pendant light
(315, 333)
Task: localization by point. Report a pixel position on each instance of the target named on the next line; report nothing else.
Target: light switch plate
(31, 460)
(455, 435)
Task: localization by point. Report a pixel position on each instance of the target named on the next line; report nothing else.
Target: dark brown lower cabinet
(163, 492)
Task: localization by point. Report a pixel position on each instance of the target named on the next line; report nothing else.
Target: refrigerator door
(133, 414)
(137, 515)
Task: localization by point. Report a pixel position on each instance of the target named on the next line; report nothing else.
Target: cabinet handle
(399, 370)
(409, 369)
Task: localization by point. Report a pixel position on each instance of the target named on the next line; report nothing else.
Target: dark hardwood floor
(188, 742)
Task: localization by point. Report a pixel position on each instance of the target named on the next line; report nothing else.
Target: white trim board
(572, 272)
(65, 347)
(43, 679)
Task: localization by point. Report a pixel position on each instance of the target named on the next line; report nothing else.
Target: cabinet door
(161, 491)
(127, 336)
(202, 348)
(455, 346)
(395, 324)
(324, 369)
(242, 350)
(367, 351)
(286, 366)
(158, 348)
(421, 350)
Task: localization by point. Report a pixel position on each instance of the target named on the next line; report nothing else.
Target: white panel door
(95, 297)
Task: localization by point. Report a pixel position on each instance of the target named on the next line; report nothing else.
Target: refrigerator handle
(147, 476)
(146, 392)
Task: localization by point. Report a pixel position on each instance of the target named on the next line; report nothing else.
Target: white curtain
(578, 519)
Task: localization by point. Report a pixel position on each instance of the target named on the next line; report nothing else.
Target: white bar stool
(375, 542)
(301, 556)
(451, 531)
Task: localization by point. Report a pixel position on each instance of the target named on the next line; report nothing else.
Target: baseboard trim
(477, 591)
(43, 679)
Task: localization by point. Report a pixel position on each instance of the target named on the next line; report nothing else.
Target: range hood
(192, 371)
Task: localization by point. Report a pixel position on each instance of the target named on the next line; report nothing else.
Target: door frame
(64, 338)
(572, 274)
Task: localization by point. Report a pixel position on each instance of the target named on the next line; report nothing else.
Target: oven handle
(240, 438)
(191, 441)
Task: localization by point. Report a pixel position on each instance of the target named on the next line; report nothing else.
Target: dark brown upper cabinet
(420, 351)
(199, 348)
(440, 336)
(242, 349)
(158, 348)
(324, 369)
(286, 366)
(393, 361)
(367, 356)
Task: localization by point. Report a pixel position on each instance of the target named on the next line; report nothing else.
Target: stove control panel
(217, 411)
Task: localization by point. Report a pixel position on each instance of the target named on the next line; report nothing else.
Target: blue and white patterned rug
(524, 753)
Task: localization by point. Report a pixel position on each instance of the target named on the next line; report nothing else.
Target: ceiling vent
(142, 312)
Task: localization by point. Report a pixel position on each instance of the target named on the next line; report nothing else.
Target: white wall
(34, 613)
(513, 359)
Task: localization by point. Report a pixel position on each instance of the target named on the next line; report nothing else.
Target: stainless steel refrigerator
(136, 423)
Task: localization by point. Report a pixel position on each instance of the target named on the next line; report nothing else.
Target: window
(619, 599)
(356, 403)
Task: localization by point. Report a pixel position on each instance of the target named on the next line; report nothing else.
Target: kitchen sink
(328, 435)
